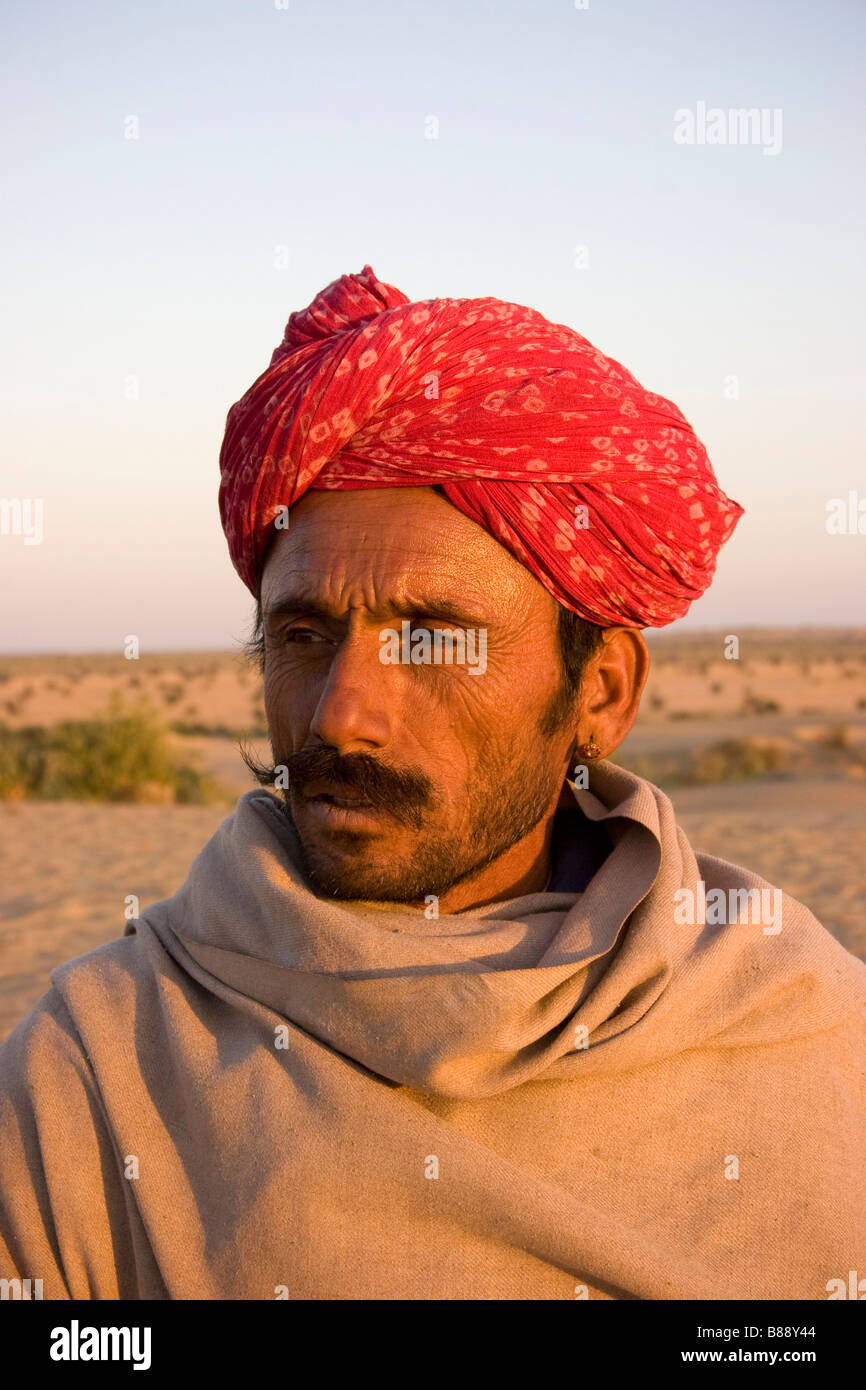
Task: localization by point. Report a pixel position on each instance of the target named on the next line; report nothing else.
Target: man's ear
(613, 683)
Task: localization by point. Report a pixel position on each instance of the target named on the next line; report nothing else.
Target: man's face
(454, 766)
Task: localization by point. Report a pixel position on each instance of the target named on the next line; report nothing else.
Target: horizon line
(651, 634)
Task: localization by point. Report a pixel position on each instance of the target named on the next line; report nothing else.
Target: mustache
(403, 793)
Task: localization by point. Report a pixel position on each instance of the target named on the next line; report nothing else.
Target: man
(457, 1013)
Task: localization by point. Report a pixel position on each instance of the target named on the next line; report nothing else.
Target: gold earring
(589, 749)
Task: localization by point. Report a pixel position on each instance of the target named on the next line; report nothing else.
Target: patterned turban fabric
(600, 488)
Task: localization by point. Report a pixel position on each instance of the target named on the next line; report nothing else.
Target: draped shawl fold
(258, 1092)
(599, 487)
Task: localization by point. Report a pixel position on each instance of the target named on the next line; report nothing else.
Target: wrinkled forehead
(394, 543)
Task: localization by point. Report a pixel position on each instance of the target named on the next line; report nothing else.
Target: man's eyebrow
(308, 606)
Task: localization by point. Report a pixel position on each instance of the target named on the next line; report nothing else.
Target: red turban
(599, 487)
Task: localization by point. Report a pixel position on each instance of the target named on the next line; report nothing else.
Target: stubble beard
(498, 815)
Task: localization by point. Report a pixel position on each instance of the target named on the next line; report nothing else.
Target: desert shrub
(124, 756)
(838, 738)
(736, 760)
(754, 704)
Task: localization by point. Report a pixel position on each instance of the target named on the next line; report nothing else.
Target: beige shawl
(258, 1093)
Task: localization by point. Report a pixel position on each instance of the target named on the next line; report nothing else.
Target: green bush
(125, 756)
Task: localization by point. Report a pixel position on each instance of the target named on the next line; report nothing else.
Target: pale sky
(304, 127)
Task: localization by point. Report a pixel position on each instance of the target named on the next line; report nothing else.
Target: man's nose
(353, 708)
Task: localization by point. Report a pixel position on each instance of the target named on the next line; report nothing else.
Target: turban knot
(600, 488)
